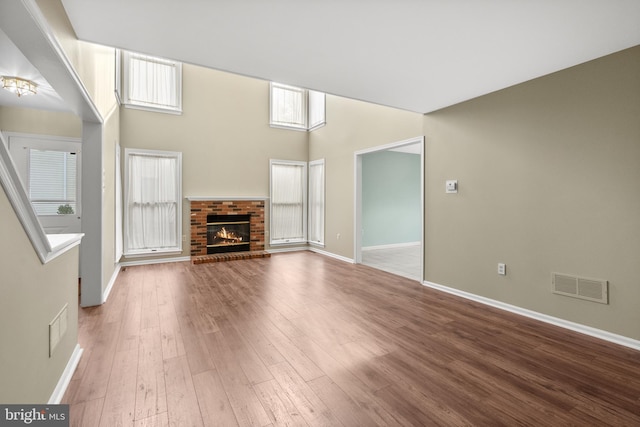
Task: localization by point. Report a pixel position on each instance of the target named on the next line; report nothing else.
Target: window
(152, 220)
(316, 109)
(151, 83)
(50, 171)
(296, 108)
(316, 202)
(288, 209)
(52, 182)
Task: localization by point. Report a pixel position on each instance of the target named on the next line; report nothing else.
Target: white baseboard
(332, 255)
(154, 261)
(576, 327)
(114, 276)
(391, 246)
(311, 248)
(65, 378)
(287, 249)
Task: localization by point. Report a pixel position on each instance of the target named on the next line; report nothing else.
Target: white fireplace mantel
(223, 198)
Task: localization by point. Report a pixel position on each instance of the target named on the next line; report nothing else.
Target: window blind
(52, 181)
(288, 202)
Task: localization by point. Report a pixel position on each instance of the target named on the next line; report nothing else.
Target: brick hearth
(199, 211)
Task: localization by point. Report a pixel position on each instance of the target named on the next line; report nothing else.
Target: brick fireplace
(201, 208)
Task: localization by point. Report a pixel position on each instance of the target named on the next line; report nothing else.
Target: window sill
(288, 242)
(288, 127)
(174, 111)
(148, 253)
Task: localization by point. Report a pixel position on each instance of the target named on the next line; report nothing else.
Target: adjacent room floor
(304, 339)
(403, 261)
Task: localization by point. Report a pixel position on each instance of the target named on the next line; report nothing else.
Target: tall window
(152, 220)
(288, 211)
(151, 83)
(316, 202)
(296, 108)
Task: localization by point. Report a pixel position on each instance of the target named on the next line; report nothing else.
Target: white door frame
(357, 243)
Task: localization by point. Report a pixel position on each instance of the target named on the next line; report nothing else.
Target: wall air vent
(595, 290)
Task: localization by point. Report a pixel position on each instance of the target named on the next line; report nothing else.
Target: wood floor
(302, 339)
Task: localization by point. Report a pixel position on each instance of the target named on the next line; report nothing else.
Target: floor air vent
(595, 290)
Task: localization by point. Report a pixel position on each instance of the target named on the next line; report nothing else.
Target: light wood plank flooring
(302, 339)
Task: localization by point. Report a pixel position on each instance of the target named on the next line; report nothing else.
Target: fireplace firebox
(228, 233)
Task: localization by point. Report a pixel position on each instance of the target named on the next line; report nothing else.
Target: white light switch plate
(502, 269)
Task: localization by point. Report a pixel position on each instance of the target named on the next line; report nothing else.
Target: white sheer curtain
(288, 201)
(316, 201)
(152, 81)
(152, 202)
(288, 106)
(316, 109)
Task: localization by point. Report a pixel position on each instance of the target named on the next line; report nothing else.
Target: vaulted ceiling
(418, 55)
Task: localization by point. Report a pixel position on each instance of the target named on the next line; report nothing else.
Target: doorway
(389, 208)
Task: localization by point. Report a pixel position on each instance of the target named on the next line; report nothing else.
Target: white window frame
(119, 251)
(130, 252)
(125, 95)
(20, 145)
(321, 198)
(304, 184)
(317, 110)
(313, 108)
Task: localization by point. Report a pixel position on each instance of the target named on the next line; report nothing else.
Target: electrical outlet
(502, 269)
(338, 236)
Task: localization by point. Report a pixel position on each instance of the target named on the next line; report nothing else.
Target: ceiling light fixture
(19, 86)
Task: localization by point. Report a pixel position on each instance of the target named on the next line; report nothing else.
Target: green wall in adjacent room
(390, 198)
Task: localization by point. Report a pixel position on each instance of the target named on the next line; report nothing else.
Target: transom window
(296, 108)
(151, 83)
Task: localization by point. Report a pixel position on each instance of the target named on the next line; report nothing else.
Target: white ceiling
(418, 55)
(14, 63)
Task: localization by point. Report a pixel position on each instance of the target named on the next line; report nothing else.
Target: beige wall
(25, 120)
(352, 126)
(95, 64)
(32, 295)
(549, 177)
(223, 134)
